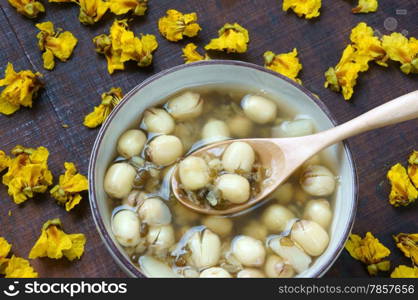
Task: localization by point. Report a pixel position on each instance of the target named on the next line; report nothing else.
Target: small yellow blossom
(122, 45)
(70, 185)
(101, 112)
(408, 244)
(28, 8)
(287, 64)
(403, 191)
(232, 38)
(28, 173)
(366, 6)
(18, 267)
(343, 77)
(55, 44)
(400, 49)
(367, 44)
(190, 54)
(55, 243)
(120, 7)
(4, 161)
(307, 8)
(405, 272)
(5, 248)
(14, 267)
(365, 47)
(175, 25)
(20, 89)
(369, 251)
(412, 168)
(91, 11)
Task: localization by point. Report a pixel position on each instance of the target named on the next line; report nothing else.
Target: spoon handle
(401, 109)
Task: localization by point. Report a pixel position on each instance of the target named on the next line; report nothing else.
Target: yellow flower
(190, 54)
(55, 44)
(365, 47)
(405, 272)
(28, 8)
(366, 6)
(14, 267)
(19, 268)
(412, 168)
(28, 173)
(55, 243)
(91, 11)
(367, 44)
(20, 88)
(5, 248)
(408, 243)
(101, 112)
(4, 161)
(232, 38)
(120, 7)
(400, 49)
(343, 77)
(403, 191)
(70, 185)
(287, 64)
(307, 8)
(122, 45)
(175, 25)
(369, 251)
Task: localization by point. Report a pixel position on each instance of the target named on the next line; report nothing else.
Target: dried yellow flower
(367, 44)
(91, 11)
(365, 47)
(70, 185)
(122, 45)
(28, 173)
(18, 267)
(5, 248)
(408, 244)
(14, 267)
(412, 168)
(101, 112)
(307, 8)
(287, 64)
(369, 251)
(403, 191)
(366, 6)
(20, 89)
(55, 44)
(175, 25)
(4, 161)
(120, 7)
(28, 8)
(405, 272)
(55, 243)
(232, 38)
(400, 49)
(190, 54)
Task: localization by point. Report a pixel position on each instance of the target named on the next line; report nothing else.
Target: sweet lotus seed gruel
(280, 238)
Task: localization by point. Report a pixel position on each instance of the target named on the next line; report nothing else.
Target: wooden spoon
(282, 156)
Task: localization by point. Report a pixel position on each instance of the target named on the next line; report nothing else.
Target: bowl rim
(120, 258)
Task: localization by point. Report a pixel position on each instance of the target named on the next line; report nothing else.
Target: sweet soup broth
(281, 237)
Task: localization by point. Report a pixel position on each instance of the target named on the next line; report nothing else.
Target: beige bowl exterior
(153, 90)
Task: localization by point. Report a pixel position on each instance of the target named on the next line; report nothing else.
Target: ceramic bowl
(151, 91)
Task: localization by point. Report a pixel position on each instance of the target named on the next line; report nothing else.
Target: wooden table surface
(74, 87)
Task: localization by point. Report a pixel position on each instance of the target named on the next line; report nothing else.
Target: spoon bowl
(282, 156)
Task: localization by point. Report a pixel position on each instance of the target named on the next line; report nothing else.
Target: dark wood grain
(74, 87)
